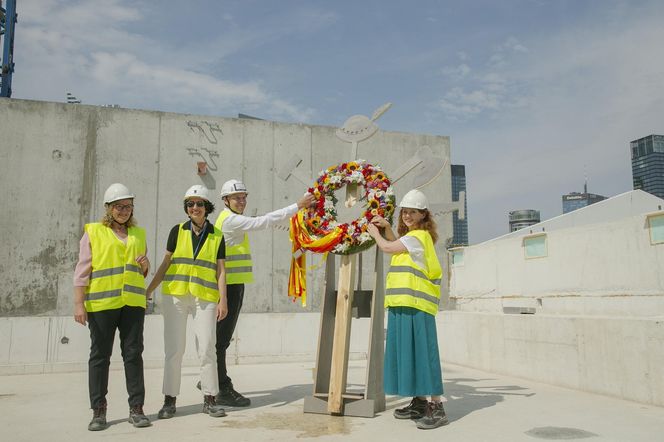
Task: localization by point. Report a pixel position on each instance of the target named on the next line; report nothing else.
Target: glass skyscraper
(648, 164)
(576, 200)
(520, 219)
(459, 226)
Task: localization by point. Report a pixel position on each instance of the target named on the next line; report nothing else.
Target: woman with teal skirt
(412, 292)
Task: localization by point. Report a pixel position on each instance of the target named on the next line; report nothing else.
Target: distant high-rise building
(459, 226)
(523, 218)
(648, 164)
(576, 200)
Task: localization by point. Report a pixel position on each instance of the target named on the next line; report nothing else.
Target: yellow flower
(352, 166)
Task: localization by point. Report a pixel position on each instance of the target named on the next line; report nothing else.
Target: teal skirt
(412, 361)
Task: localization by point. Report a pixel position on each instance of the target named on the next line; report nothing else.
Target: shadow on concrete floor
(279, 397)
(463, 399)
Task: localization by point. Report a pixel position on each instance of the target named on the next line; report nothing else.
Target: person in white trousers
(194, 279)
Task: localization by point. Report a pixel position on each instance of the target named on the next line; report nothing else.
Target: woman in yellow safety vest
(109, 295)
(412, 292)
(194, 282)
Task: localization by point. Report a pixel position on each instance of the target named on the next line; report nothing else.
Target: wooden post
(340, 346)
(374, 380)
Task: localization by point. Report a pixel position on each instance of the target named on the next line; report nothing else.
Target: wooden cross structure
(330, 395)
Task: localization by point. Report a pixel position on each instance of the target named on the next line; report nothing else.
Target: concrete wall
(57, 159)
(616, 357)
(595, 303)
(55, 344)
(620, 357)
(602, 268)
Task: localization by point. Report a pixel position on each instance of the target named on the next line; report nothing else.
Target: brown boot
(137, 418)
(434, 417)
(210, 407)
(98, 421)
(414, 410)
(168, 410)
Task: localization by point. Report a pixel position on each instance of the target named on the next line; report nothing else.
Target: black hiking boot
(137, 418)
(229, 397)
(210, 407)
(434, 417)
(98, 421)
(168, 409)
(415, 410)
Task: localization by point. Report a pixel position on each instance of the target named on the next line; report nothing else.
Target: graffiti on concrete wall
(206, 129)
(205, 151)
(206, 155)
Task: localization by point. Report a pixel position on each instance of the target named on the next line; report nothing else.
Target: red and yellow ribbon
(301, 242)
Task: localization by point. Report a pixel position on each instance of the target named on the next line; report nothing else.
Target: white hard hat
(231, 187)
(414, 199)
(199, 191)
(117, 192)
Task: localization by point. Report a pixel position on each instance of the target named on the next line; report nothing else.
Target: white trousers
(175, 310)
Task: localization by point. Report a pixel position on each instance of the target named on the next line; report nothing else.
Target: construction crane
(7, 26)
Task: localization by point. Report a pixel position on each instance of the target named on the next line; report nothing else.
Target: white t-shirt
(415, 249)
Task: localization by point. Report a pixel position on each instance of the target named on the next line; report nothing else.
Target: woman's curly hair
(427, 224)
(107, 219)
(209, 207)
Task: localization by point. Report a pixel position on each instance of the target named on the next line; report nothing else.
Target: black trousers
(225, 329)
(129, 321)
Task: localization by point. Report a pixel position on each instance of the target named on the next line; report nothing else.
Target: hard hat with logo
(117, 192)
(232, 187)
(414, 199)
(199, 191)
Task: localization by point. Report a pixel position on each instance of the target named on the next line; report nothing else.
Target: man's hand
(306, 201)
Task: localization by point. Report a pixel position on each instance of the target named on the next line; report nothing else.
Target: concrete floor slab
(481, 407)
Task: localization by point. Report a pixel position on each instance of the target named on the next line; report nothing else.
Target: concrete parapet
(58, 344)
(616, 356)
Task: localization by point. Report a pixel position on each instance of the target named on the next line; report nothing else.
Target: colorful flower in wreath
(378, 198)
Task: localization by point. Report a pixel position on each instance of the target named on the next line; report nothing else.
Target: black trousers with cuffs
(129, 321)
(225, 330)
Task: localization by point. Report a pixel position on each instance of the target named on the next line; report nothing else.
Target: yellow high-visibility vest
(116, 279)
(196, 276)
(238, 257)
(409, 285)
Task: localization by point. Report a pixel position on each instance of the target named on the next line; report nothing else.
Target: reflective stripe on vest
(196, 276)
(238, 257)
(116, 279)
(409, 285)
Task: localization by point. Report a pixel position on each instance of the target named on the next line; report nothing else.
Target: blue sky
(533, 94)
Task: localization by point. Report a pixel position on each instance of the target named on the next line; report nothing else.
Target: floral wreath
(316, 228)
(320, 221)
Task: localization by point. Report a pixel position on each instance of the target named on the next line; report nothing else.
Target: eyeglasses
(195, 203)
(123, 207)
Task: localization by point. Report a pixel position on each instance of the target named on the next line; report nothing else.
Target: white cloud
(540, 114)
(93, 49)
(456, 72)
